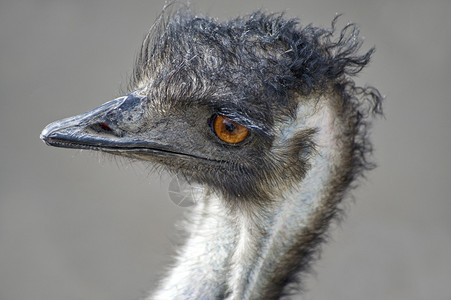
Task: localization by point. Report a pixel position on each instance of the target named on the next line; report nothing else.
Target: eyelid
(260, 127)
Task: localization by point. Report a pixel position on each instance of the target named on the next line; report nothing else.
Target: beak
(126, 127)
(106, 127)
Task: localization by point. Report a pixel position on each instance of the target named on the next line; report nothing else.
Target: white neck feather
(235, 255)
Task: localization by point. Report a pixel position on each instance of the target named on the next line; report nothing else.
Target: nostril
(101, 127)
(105, 127)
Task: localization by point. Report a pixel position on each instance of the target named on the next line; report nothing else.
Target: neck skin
(231, 254)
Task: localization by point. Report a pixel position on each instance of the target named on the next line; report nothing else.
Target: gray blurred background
(76, 225)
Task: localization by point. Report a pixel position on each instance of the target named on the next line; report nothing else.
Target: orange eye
(229, 131)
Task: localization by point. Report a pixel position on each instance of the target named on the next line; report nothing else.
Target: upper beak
(105, 127)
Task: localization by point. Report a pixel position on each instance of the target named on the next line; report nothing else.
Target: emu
(263, 116)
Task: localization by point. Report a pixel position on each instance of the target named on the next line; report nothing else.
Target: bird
(263, 116)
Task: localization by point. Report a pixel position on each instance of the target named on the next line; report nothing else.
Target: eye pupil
(228, 130)
(229, 126)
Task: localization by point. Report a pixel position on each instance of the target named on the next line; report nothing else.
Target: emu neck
(235, 255)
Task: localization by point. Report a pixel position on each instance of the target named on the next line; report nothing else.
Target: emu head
(221, 104)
